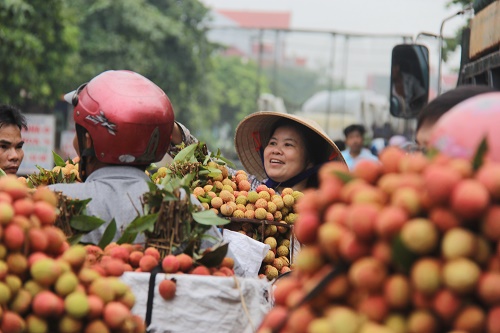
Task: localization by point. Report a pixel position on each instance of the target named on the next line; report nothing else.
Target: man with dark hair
(354, 141)
(12, 121)
(431, 113)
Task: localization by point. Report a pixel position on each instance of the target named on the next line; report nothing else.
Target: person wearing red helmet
(123, 124)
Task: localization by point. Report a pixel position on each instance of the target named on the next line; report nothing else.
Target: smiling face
(11, 148)
(285, 156)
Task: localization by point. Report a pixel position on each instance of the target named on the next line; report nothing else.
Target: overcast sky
(404, 17)
(374, 16)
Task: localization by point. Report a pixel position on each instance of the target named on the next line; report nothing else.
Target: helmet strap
(84, 153)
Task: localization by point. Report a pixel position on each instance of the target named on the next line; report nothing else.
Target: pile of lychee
(115, 259)
(410, 244)
(44, 284)
(231, 197)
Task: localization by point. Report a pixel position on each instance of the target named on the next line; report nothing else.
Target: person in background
(12, 121)
(277, 149)
(355, 151)
(431, 113)
(123, 124)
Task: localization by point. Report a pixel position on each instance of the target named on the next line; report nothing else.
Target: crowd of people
(124, 122)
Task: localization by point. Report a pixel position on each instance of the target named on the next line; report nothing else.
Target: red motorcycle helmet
(460, 131)
(129, 118)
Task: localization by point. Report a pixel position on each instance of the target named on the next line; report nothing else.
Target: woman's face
(285, 154)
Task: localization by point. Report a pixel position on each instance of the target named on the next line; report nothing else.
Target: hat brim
(255, 130)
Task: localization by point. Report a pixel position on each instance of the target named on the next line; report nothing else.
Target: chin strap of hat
(84, 152)
(294, 180)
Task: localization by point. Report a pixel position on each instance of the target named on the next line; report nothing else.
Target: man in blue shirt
(355, 151)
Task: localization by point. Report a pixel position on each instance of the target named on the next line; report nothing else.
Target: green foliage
(37, 38)
(228, 93)
(163, 40)
(108, 235)
(192, 166)
(451, 44)
(171, 219)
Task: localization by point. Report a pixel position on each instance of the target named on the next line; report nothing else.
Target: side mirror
(409, 80)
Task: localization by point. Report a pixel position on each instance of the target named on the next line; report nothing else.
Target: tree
(228, 95)
(163, 40)
(450, 44)
(36, 37)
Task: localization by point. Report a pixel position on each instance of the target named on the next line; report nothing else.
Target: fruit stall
(410, 244)
(204, 263)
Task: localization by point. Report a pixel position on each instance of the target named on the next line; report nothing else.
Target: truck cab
(480, 59)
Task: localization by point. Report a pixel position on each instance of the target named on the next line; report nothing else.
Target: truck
(480, 56)
(480, 60)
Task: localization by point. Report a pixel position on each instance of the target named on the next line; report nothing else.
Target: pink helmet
(459, 132)
(129, 118)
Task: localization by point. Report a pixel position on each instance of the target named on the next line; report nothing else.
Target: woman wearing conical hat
(278, 149)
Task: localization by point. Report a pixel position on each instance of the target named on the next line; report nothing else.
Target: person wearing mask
(277, 149)
(355, 151)
(123, 124)
(12, 121)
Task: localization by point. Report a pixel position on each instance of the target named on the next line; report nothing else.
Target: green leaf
(402, 257)
(142, 223)
(108, 235)
(165, 180)
(345, 177)
(481, 152)
(78, 205)
(85, 222)
(228, 162)
(186, 154)
(205, 198)
(214, 257)
(2, 173)
(152, 186)
(75, 239)
(170, 197)
(208, 217)
(127, 237)
(214, 171)
(58, 160)
(60, 177)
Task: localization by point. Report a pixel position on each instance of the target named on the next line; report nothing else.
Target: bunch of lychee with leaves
(115, 259)
(44, 284)
(229, 196)
(262, 214)
(63, 172)
(410, 244)
(202, 166)
(174, 228)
